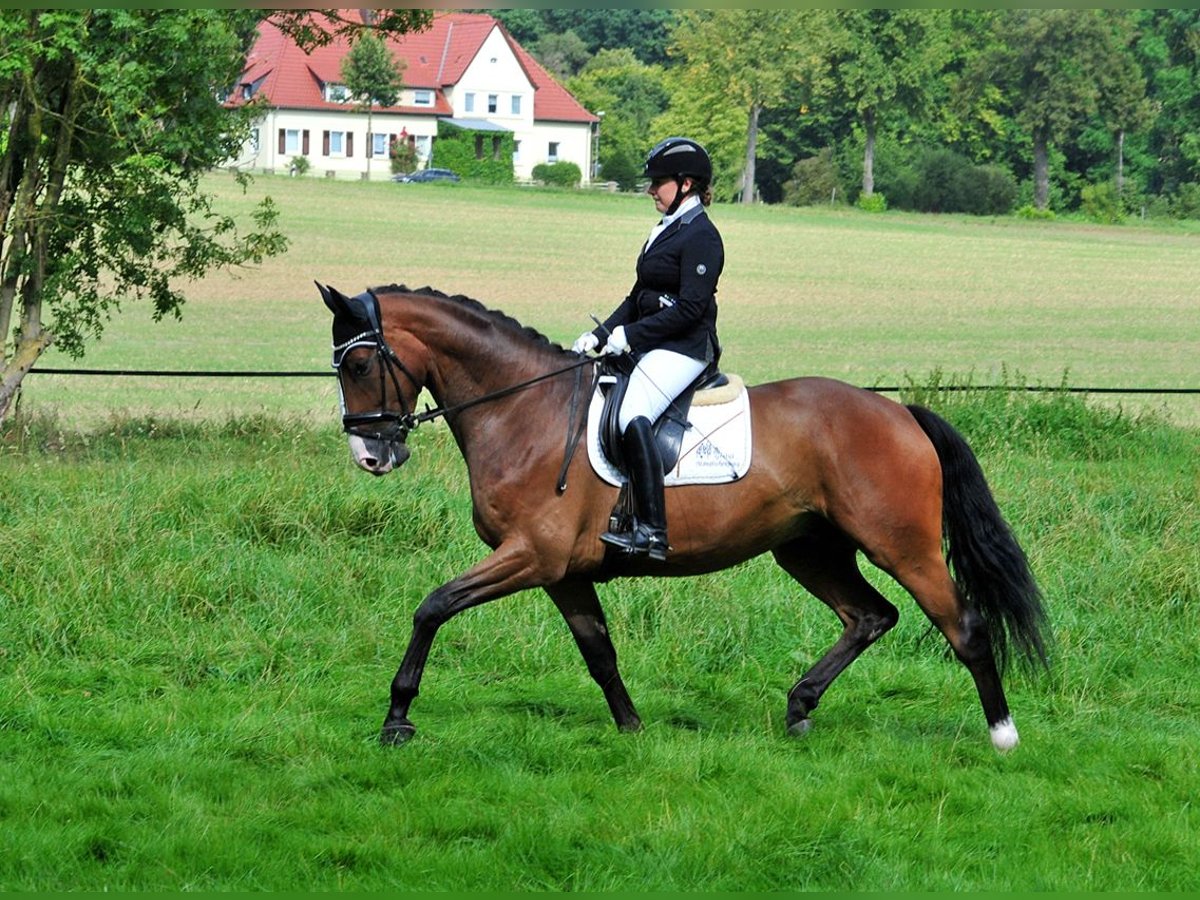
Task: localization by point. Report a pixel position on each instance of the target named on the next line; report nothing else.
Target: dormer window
(422, 98)
(337, 93)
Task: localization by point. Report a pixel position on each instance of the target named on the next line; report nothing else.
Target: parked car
(427, 175)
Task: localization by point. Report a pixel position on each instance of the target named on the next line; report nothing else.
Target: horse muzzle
(378, 456)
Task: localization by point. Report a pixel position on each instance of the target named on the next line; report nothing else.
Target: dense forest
(980, 111)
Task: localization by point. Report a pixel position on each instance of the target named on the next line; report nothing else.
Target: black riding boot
(644, 465)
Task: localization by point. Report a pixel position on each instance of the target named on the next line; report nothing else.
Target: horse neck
(472, 354)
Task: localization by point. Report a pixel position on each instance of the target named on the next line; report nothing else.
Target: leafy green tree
(631, 95)
(562, 54)
(1050, 65)
(747, 60)
(109, 119)
(884, 62)
(373, 76)
(1168, 46)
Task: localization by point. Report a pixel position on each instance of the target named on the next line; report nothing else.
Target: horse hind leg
(826, 566)
(932, 586)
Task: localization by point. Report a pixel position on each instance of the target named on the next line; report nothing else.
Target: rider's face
(664, 191)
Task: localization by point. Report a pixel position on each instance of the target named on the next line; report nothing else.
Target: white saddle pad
(715, 450)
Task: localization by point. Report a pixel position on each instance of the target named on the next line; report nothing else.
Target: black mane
(495, 315)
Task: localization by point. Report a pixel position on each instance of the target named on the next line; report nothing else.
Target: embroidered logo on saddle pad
(715, 449)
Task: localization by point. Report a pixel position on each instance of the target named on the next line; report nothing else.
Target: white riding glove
(617, 342)
(585, 343)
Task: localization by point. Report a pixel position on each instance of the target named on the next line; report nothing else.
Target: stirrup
(642, 540)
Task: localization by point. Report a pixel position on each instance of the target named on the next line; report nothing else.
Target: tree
(748, 59)
(884, 61)
(631, 95)
(1051, 66)
(109, 119)
(373, 75)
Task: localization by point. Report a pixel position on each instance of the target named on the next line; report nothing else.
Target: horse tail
(989, 566)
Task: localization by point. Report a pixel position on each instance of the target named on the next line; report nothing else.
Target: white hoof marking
(1004, 735)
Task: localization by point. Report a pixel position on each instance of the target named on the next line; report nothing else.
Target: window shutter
(304, 143)
(325, 143)
(282, 140)
(349, 144)
(391, 144)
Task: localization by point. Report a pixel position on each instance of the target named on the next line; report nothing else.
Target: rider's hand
(585, 343)
(617, 343)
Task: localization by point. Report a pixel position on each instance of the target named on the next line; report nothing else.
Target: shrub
(872, 203)
(623, 168)
(403, 156)
(299, 165)
(814, 181)
(944, 181)
(559, 174)
(994, 192)
(1029, 211)
(1100, 203)
(1187, 201)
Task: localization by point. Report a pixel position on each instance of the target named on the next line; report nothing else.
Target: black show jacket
(673, 303)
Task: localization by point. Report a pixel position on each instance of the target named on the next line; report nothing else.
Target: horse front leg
(507, 570)
(580, 607)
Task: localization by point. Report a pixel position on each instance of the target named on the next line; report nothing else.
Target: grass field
(874, 300)
(202, 602)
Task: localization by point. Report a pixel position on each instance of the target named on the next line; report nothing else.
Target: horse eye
(361, 367)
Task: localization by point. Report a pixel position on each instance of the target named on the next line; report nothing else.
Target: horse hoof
(395, 735)
(799, 729)
(630, 727)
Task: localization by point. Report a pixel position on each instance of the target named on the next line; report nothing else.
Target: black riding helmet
(679, 158)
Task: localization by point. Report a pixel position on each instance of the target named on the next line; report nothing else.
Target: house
(466, 69)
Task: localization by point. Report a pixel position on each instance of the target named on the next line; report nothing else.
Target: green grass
(198, 623)
(202, 601)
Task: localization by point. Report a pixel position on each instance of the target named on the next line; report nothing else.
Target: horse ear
(327, 296)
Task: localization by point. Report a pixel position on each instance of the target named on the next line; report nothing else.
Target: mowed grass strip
(871, 299)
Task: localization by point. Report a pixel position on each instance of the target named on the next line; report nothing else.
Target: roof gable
(435, 59)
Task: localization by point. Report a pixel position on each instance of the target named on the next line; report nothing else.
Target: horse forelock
(497, 316)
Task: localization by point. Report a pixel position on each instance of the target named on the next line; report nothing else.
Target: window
(293, 141)
(496, 148)
(516, 151)
(469, 103)
(423, 145)
(552, 153)
(493, 103)
(337, 93)
(377, 145)
(516, 104)
(422, 98)
(254, 141)
(338, 143)
(479, 146)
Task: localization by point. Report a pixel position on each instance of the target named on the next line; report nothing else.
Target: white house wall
(495, 70)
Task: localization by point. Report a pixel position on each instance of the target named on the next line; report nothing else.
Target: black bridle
(374, 425)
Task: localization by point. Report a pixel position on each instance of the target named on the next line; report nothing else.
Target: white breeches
(660, 377)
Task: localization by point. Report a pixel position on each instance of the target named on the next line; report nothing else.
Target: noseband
(382, 424)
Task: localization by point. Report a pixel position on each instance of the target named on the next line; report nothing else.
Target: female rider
(668, 321)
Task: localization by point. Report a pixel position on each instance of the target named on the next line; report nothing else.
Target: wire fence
(882, 389)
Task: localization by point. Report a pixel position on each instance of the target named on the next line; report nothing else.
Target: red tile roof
(435, 59)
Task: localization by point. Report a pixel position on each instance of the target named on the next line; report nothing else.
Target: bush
(995, 191)
(872, 203)
(1187, 201)
(1029, 211)
(943, 181)
(299, 165)
(814, 181)
(1100, 203)
(403, 157)
(623, 168)
(559, 174)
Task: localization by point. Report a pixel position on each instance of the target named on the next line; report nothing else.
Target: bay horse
(836, 470)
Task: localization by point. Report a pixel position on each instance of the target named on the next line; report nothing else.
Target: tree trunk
(868, 182)
(751, 153)
(1120, 162)
(17, 367)
(1041, 172)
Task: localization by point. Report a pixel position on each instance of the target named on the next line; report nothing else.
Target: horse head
(378, 391)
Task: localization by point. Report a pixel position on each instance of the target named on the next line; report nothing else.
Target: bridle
(374, 425)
